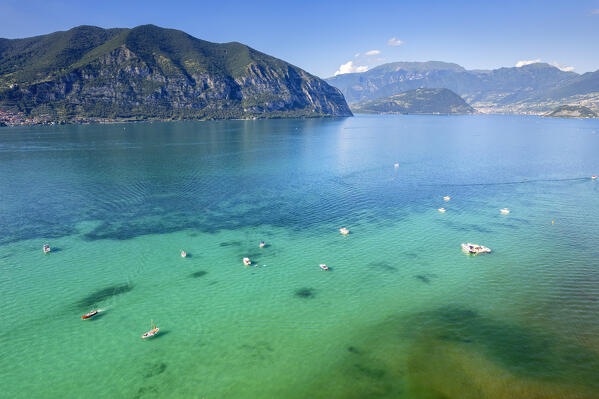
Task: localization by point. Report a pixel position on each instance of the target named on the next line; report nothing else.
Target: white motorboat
(475, 249)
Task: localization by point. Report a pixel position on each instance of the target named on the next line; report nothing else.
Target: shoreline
(109, 121)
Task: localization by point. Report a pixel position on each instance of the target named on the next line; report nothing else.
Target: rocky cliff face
(150, 72)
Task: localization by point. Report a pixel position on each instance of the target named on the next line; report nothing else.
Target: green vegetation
(572, 111)
(149, 72)
(419, 101)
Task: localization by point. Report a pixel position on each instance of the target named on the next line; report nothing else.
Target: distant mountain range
(150, 72)
(418, 101)
(534, 88)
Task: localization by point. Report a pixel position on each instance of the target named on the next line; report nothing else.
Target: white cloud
(554, 63)
(394, 42)
(372, 52)
(349, 67)
(562, 67)
(527, 62)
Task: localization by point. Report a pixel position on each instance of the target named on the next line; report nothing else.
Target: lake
(402, 312)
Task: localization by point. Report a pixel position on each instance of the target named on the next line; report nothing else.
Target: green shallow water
(402, 313)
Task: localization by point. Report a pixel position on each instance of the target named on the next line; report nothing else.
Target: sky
(328, 37)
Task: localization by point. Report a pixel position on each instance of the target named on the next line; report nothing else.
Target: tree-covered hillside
(151, 72)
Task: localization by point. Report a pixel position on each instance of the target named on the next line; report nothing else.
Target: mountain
(394, 78)
(151, 72)
(583, 84)
(533, 88)
(572, 111)
(419, 101)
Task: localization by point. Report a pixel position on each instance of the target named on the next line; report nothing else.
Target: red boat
(90, 314)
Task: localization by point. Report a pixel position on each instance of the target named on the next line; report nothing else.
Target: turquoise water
(402, 313)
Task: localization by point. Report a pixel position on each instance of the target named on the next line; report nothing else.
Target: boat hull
(89, 315)
(150, 333)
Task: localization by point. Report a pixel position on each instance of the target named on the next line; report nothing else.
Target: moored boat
(324, 267)
(475, 249)
(442, 210)
(594, 177)
(446, 198)
(262, 244)
(154, 330)
(46, 248)
(344, 231)
(505, 211)
(247, 261)
(183, 254)
(89, 315)
(396, 165)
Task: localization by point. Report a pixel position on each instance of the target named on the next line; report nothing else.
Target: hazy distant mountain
(418, 101)
(536, 87)
(583, 84)
(394, 78)
(151, 72)
(572, 111)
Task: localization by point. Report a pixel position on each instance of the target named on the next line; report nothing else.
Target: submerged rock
(305, 293)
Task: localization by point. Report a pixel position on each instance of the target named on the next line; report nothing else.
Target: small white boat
(442, 210)
(475, 249)
(46, 248)
(247, 261)
(324, 267)
(504, 211)
(152, 332)
(594, 177)
(446, 198)
(183, 254)
(344, 231)
(262, 244)
(396, 165)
